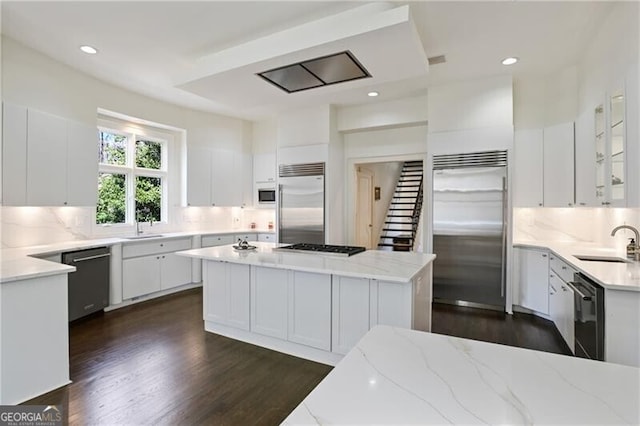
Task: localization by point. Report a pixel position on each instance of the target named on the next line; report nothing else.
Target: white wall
(305, 126)
(401, 112)
(386, 142)
(473, 104)
(265, 136)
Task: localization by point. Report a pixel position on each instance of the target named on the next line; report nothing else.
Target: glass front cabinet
(610, 151)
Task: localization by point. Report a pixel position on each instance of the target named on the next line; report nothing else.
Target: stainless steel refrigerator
(469, 228)
(301, 203)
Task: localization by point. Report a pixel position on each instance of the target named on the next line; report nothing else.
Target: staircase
(403, 216)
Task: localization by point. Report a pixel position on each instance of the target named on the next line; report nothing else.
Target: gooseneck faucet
(635, 231)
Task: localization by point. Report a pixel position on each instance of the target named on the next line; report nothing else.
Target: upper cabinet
(543, 171)
(47, 160)
(218, 177)
(610, 150)
(264, 167)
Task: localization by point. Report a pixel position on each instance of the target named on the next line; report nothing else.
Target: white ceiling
(161, 48)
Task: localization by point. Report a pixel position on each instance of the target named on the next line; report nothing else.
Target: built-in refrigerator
(300, 213)
(469, 228)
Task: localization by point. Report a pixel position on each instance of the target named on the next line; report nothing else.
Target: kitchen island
(399, 376)
(311, 305)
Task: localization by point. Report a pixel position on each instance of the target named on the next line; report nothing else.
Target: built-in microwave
(266, 195)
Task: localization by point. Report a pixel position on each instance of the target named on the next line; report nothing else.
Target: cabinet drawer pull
(544, 255)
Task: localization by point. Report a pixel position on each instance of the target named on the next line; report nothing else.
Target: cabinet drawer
(561, 268)
(160, 246)
(269, 238)
(217, 240)
(247, 237)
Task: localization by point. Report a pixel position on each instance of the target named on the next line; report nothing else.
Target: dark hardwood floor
(521, 330)
(153, 363)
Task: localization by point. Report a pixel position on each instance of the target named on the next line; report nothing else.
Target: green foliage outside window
(112, 200)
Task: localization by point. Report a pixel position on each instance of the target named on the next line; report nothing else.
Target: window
(133, 176)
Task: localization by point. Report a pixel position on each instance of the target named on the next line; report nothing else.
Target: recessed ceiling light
(509, 61)
(89, 49)
(372, 94)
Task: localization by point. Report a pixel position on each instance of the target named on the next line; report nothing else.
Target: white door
(216, 308)
(350, 311)
(364, 208)
(238, 294)
(175, 270)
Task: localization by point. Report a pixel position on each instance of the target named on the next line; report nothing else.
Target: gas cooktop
(322, 248)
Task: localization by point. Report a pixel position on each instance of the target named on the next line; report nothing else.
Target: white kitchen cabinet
(148, 267)
(527, 171)
(350, 312)
(264, 167)
(47, 160)
(227, 294)
(543, 171)
(533, 279)
(310, 310)
(198, 177)
(218, 177)
(14, 155)
(269, 301)
(267, 238)
(217, 240)
(174, 271)
(140, 276)
(390, 304)
(561, 298)
(558, 174)
(82, 173)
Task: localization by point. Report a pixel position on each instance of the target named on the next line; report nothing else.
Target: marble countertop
(372, 264)
(19, 264)
(612, 276)
(401, 376)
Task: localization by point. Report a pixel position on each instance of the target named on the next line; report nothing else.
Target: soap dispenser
(631, 249)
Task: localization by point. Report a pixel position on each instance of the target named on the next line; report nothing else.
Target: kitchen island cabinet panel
(390, 304)
(227, 294)
(310, 310)
(269, 310)
(351, 306)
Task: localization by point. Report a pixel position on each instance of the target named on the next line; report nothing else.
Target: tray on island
(244, 248)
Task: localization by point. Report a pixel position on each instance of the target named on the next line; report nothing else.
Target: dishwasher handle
(581, 294)
(84, 259)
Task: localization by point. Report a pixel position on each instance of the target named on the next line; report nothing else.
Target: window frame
(133, 133)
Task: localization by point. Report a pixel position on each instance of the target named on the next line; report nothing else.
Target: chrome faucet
(138, 230)
(635, 231)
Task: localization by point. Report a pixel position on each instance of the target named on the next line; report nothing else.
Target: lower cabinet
(269, 301)
(321, 311)
(150, 267)
(227, 294)
(292, 305)
(351, 307)
(360, 304)
(561, 299)
(533, 279)
(310, 309)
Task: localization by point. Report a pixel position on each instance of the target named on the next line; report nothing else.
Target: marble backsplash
(592, 225)
(29, 226)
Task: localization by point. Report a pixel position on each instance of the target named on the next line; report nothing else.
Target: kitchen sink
(591, 258)
(142, 237)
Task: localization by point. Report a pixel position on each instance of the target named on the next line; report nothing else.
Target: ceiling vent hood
(323, 71)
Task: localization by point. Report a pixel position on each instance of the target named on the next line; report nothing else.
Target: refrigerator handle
(504, 237)
(279, 212)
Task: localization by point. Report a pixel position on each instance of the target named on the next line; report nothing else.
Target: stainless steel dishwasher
(89, 284)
